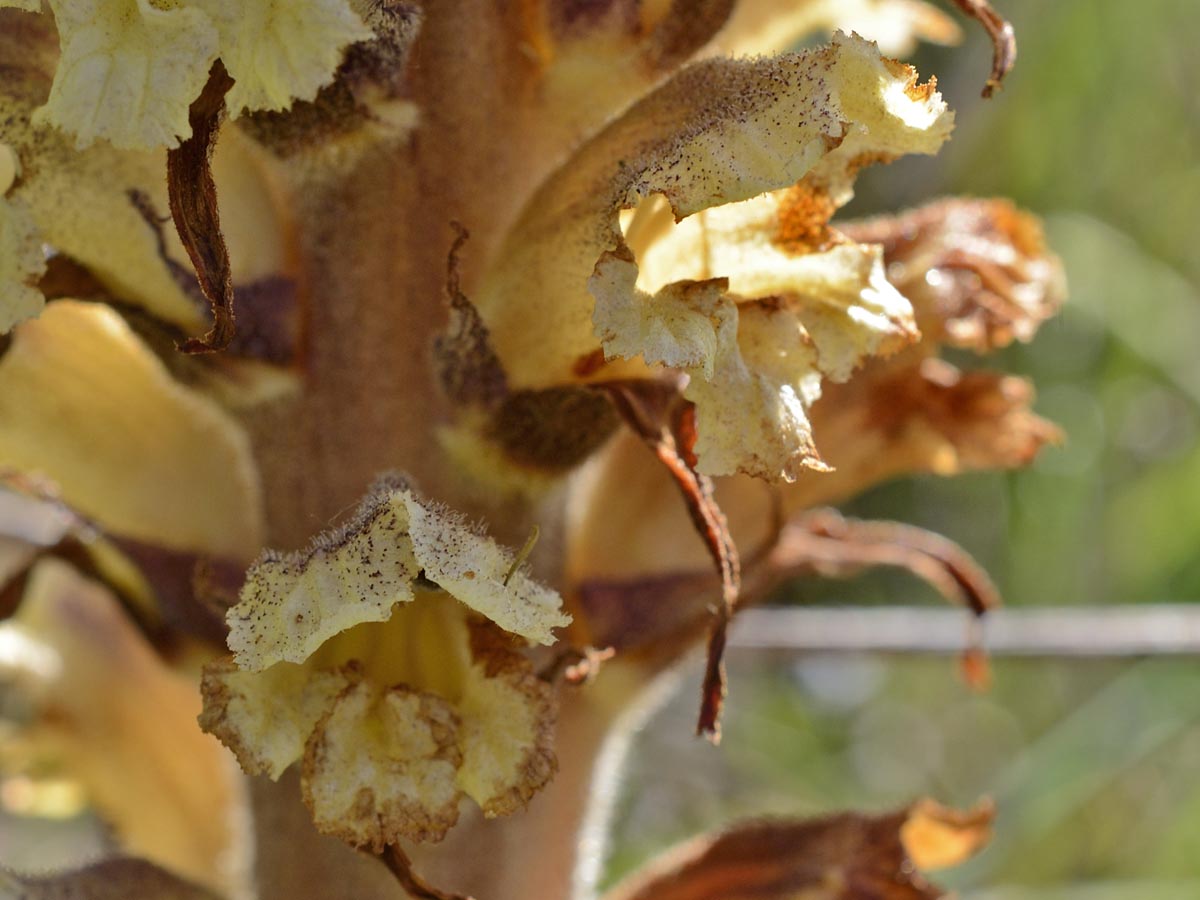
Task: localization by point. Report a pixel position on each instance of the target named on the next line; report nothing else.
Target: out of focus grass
(1095, 765)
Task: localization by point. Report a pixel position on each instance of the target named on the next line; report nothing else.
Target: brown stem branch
(657, 414)
(1004, 40)
(414, 885)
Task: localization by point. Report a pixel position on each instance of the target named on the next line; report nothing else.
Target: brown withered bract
(193, 196)
(840, 857)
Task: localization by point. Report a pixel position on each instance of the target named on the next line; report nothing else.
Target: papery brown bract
(839, 857)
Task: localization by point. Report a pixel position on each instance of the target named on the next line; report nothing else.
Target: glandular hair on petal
(292, 604)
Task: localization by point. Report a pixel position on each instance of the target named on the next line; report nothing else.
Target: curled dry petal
(717, 133)
(469, 373)
(821, 542)
(130, 69)
(817, 543)
(104, 212)
(292, 604)
(979, 275)
(911, 415)
(978, 272)
(126, 444)
(667, 425)
(842, 857)
(894, 418)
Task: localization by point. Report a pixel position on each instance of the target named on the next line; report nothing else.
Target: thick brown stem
(371, 254)
(370, 247)
(371, 242)
(369, 273)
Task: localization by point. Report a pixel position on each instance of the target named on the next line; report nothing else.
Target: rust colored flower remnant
(237, 290)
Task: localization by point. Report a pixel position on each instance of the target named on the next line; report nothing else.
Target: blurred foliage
(1095, 765)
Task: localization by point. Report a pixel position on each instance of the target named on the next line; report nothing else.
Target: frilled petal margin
(280, 52)
(979, 276)
(756, 347)
(364, 658)
(293, 604)
(130, 69)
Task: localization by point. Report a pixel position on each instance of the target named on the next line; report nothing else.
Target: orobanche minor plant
(389, 287)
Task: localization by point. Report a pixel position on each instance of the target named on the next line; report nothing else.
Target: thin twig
(657, 413)
(414, 885)
(1004, 40)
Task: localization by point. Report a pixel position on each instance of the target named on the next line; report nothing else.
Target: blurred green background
(1095, 765)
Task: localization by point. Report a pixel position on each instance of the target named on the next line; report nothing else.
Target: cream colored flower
(102, 208)
(131, 68)
(377, 658)
(758, 320)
